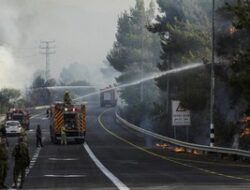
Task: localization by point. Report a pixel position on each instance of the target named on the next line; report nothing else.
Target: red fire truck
(108, 96)
(69, 115)
(20, 115)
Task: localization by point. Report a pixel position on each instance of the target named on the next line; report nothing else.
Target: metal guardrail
(186, 145)
(38, 107)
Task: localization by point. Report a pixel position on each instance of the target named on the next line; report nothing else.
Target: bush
(245, 142)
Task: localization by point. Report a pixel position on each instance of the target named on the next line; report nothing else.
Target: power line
(47, 48)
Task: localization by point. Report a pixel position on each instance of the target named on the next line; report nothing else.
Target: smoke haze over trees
(9, 98)
(74, 72)
(74, 75)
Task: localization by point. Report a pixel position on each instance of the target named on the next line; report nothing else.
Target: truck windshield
(18, 117)
(70, 120)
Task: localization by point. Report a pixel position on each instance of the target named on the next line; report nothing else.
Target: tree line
(180, 33)
(39, 93)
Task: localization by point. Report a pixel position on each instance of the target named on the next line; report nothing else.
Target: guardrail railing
(187, 145)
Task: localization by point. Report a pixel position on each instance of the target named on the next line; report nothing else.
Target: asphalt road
(115, 157)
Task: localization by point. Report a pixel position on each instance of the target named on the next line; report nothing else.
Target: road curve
(131, 158)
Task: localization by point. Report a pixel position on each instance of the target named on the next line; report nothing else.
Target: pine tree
(136, 53)
(232, 37)
(184, 28)
(184, 40)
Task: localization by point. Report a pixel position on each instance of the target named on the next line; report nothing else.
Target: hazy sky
(83, 30)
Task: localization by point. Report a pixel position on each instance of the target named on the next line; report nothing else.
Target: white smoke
(84, 32)
(11, 72)
(15, 15)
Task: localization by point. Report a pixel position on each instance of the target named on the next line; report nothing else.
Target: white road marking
(106, 172)
(129, 162)
(63, 159)
(65, 176)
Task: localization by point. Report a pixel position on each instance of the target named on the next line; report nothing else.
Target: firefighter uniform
(3, 133)
(23, 135)
(22, 161)
(3, 162)
(39, 136)
(67, 98)
(63, 135)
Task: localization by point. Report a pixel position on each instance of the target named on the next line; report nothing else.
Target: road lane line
(65, 176)
(104, 170)
(63, 159)
(166, 158)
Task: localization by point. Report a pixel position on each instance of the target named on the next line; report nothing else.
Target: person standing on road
(63, 135)
(22, 161)
(23, 135)
(3, 163)
(3, 133)
(39, 136)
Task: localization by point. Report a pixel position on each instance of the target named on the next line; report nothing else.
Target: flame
(245, 119)
(196, 152)
(232, 30)
(245, 132)
(179, 149)
(162, 145)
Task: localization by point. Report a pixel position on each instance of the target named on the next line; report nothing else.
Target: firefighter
(3, 162)
(39, 136)
(3, 133)
(67, 98)
(63, 135)
(23, 134)
(2, 130)
(22, 161)
(47, 113)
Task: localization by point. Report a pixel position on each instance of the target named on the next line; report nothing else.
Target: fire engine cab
(108, 97)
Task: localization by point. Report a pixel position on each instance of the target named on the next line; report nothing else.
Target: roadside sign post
(180, 117)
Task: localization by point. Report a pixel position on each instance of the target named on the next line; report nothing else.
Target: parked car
(13, 127)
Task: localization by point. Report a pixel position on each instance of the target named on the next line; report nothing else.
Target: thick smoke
(84, 32)
(15, 17)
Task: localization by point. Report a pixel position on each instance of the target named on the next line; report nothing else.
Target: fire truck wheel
(54, 140)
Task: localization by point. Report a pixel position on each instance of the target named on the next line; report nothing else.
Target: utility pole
(142, 56)
(47, 48)
(212, 82)
(166, 40)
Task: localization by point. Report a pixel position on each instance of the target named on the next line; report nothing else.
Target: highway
(115, 157)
